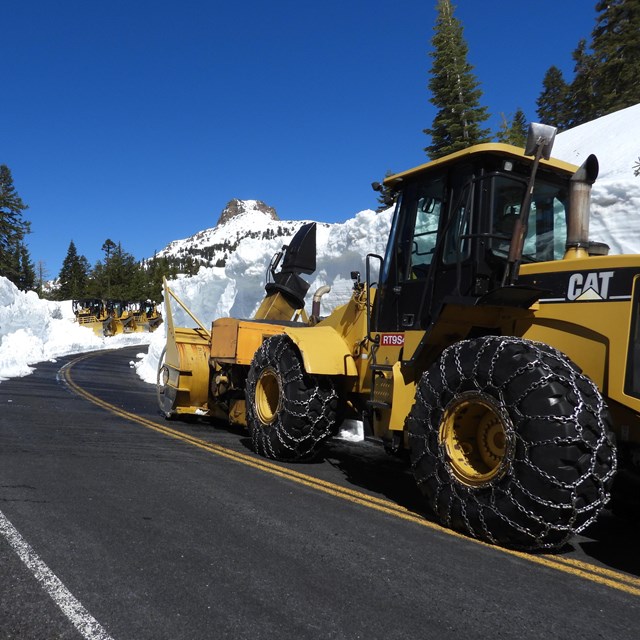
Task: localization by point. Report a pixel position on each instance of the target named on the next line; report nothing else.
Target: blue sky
(137, 121)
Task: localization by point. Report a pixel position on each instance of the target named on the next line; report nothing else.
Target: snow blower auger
(183, 369)
(499, 347)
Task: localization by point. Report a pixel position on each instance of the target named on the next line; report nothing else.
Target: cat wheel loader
(494, 343)
(93, 313)
(146, 315)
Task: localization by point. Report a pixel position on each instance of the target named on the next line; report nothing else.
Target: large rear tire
(510, 443)
(290, 413)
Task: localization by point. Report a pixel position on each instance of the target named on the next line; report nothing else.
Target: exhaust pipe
(579, 209)
(317, 296)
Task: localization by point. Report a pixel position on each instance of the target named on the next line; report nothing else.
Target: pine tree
(581, 103)
(514, 132)
(605, 71)
(26, 270)
(41, 277)
(13, 228)
(119, 277)
(616, 55)
(454, 89)
(73, 275)
(553, 101)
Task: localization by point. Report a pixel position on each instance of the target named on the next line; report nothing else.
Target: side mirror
(540, 135)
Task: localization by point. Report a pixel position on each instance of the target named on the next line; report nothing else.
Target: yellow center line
(600, 575)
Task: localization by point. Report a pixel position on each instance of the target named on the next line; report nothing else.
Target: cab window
(547, 231)
(423, 244)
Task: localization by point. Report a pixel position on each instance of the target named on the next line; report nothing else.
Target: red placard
(391, 339)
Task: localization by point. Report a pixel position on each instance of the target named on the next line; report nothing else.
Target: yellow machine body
(112, 317)
(93, 314)
(446, 280)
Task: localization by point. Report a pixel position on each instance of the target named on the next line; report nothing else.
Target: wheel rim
(268, 396)
(474, 432)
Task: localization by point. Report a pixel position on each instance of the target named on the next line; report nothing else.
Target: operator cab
(453, 226)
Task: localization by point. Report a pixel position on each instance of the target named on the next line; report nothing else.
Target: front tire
(510, 443)
(290, 413)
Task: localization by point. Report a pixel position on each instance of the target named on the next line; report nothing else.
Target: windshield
(547, 233)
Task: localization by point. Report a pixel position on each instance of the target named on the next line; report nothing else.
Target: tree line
(605, 80)
(118, 276)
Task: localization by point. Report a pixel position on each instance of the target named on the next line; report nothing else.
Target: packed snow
(615, 199)
(34, 330)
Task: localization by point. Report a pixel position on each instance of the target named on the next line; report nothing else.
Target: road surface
(115, 523)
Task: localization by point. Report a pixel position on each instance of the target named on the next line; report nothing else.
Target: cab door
(429, 253)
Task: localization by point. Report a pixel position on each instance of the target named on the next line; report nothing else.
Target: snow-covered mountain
(31, 330)
(239, 220)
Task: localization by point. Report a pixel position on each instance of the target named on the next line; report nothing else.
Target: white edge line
(81, 619)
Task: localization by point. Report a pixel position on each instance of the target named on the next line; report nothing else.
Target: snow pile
(33, 330)
(615, 200)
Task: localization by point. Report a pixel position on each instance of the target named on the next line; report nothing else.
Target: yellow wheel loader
(494, 343)
(123, 315)
(146, 315)
(94, 314)
(134, 317)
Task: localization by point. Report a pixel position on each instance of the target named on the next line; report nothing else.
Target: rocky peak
(237, 207)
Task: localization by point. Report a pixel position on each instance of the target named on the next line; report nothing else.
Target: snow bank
(615, 201)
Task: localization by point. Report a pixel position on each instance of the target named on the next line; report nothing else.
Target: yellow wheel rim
(474, 433)
(268, 394)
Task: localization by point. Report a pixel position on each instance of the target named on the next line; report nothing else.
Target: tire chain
(312, 430)
(547, 534)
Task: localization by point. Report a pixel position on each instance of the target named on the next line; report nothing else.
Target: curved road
(117, 524)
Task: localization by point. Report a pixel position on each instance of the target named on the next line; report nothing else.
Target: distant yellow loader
(113, 317)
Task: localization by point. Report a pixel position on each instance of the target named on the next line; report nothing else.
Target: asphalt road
(117, 524)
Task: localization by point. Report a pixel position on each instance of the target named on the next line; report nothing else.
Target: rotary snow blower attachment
(494, 345)
(201, 370)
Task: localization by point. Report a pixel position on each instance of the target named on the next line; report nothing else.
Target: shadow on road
(613, 542)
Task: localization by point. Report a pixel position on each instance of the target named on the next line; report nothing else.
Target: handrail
(368, 287)
(168, 291)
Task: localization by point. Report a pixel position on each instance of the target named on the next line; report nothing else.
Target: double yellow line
(600, 575)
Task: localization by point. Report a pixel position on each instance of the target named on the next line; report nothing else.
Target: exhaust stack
(579, 209)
